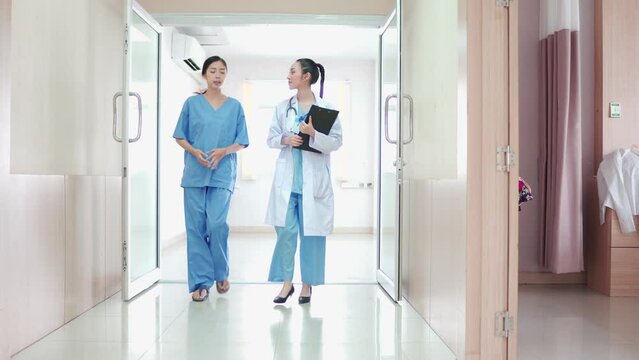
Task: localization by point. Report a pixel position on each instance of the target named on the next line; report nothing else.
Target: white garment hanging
(618, 186)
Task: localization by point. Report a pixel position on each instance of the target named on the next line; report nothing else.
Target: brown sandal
(222, 286)
(200, 291)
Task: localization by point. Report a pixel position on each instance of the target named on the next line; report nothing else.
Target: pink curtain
(561, 249)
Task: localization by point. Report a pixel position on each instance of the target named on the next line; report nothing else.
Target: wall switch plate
(615, 110)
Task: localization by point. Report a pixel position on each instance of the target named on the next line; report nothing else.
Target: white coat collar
(318, 101)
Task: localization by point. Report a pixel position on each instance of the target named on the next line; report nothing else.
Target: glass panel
(388, 153)
(143, 153)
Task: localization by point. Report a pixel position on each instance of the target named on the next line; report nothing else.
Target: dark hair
(316, 70)
(210, 61)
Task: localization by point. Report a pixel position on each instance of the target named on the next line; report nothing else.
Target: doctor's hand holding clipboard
(307, 130)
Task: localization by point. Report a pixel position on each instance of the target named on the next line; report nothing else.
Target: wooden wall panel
(475, 171)
(610, 254)
(619, 239)
(113, 237)
(41, 227)
(434, 235)
(620, 74)
(495, 235)
(5, 23)
(513, 181)
(31, 232)
(85, 243)
(624, 272)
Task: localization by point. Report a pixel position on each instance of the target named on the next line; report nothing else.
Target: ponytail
(316, 70)
(322, 76)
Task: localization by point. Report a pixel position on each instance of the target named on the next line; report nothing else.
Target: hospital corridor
(327, 180)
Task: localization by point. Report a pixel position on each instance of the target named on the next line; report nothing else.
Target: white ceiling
(284, 40)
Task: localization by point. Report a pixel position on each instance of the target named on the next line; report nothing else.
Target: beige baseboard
(530, 278)
(269, 229)
(353, 230)
(263, 230)
(173, 240)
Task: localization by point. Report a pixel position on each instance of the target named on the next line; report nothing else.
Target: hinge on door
(125, 263)
(504, 324)
(505, 158)
(126, 39)
(504, 3)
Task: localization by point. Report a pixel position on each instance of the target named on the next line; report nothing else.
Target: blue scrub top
(298, 178)
(206, 129)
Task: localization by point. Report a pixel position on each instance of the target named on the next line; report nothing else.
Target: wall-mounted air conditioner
(188, 54)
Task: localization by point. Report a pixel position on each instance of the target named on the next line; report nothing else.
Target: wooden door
(499, 238)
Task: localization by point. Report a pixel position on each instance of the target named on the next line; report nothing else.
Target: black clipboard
(323, 120)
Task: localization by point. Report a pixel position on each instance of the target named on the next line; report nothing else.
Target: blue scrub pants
(207, 233)
(312, 248)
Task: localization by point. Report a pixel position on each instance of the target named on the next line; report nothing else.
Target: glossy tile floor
(345, 321)
(350, 259)
(572, 322)
(342, 322)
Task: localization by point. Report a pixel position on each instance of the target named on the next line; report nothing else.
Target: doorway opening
(259, 57)
(556, 297)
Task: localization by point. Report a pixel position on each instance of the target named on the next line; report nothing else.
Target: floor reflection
(341, 322)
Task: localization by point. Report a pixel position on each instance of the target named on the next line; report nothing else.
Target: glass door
(388, 244)
(140, 240)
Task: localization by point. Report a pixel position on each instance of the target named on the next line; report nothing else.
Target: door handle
(139, 134)
(386, 135)
(410, 120)
(116, 118)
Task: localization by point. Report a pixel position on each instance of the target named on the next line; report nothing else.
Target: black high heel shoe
(281, 300)
(305, 299)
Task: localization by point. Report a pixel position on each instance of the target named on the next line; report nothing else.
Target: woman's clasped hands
(211, 158)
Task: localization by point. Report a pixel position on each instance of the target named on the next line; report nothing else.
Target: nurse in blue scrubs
(211, 129)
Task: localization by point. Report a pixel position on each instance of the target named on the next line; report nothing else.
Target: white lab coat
(618, 186)
(317, 188)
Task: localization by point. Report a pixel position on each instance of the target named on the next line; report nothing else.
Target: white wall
(353, 207)
(176, 87)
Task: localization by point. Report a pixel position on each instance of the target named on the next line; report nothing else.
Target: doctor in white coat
(301, 199)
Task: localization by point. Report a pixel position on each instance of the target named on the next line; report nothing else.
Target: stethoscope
(291, 119)
(290, 107)
(291, 123)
